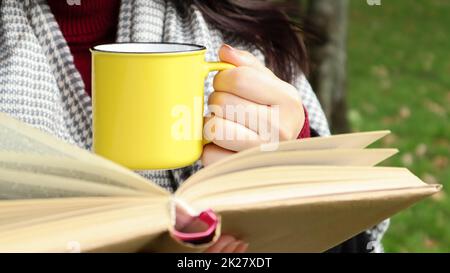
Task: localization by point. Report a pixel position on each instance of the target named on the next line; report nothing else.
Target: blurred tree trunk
(326, 22)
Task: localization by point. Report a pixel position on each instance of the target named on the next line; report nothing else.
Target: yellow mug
(148, 103)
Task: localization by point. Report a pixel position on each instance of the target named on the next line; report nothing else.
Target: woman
(45, 68)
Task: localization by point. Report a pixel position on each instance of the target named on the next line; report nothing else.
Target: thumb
(241, 58)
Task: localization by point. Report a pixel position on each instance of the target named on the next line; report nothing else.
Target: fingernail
(229, 47)
(244, 248)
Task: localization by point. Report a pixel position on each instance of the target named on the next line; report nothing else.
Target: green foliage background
(399, 79)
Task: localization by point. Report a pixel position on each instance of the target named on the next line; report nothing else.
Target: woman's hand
(250, 87)
(190, 224)
(228, 244)
(225, 244)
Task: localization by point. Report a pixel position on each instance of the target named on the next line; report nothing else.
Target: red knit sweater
(91, 23)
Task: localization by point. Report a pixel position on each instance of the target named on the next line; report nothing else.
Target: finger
(223, 241)
(230, 248)
(242, 58)
(184, 219)
(230, 135)
(251, 84)
(259, 118)
(213, 153)
(239, 110)
(242, 248)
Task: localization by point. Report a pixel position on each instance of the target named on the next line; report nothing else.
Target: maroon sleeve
(306, 130)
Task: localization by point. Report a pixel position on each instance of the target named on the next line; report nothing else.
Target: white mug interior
(147, 48)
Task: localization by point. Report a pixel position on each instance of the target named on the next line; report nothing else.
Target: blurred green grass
(399, 79)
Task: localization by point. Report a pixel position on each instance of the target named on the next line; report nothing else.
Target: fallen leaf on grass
(407, 159)
(439, 197)
(380, 71)
(369, 108)
(421, 149)
(445, 143)
(355, 117)
(440, 162)
(435, 108)
(429, 179)
(429, 243)
(404, 112)
(389, 140)
(388, 121)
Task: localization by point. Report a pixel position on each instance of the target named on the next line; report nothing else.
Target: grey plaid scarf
(40, 85)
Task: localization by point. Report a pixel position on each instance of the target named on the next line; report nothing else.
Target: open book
(307, 196)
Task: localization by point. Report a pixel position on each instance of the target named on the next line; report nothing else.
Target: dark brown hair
(262, 23)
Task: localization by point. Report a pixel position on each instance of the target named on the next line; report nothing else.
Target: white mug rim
(147, 48)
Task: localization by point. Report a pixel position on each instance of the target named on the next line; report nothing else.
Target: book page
(19, 213)
(344, 141)
(312, 208)
(315, 224)
(333, 157)
(89, 224)
(22, 146)
(71, 168)
(20, 184)
(290, 182)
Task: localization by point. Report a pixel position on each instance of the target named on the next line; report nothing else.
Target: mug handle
(218, 66)
(211, 67)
